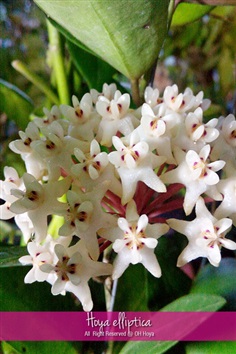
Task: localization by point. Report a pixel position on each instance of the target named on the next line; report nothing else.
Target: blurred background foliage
(24, 37)
(201, 55)
(198, 53)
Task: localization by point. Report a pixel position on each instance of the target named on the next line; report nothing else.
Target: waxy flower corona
(120, 179)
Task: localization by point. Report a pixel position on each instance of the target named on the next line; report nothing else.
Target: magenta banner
(118, 326)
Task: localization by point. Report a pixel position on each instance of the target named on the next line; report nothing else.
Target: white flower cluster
(114, 173)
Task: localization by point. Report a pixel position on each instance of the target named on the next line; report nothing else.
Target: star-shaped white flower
(57, 149)
(38, 255)
(116, 117)
(72, 270)
(94, 168)
(227, 187)
(154, 128)
(193, 133)
(33, 161)
(206, 236)
(11, 181)
(134, 241)
(39, 201)
(197, 174)
(82, 117)
(108, 91)
(152, 96)
(50, 116)
(196, 129)
(134, 162)
(93, 163)
(84, 217)
(225, 146)
(178, 102)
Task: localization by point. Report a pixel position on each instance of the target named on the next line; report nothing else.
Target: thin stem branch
(135, 92)
(58, 64)
(36, 80)
(162, 197)
(171, 206)
(171, 10)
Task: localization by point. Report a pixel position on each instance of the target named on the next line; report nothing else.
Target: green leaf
(220, 281)
(196, 303)
(15, 295)
(173, 283)
(132, 291)
(70, 37)
(7, 348)
(15, 104)
(187, 13)
(128, 35)
(9, 255)
(93, 70)
(157, 347)
(192, 302)
(38, 347)
(211, 347)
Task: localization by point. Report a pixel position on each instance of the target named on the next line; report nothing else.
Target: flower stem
(171, 10)
(174, 205)
(36, 80)
(135, 92)
(161, 198)
(58, 64)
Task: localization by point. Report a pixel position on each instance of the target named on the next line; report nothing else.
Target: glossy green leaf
(15, 295)
(15, 104)
(7, 348)
(196, 302)
(157, 347)
(132, 290)
(173, 283)
(69, 36)
(128, 35)
(9, 255)
(93, 70)
(192, 302)
(38, 347)
(211, 347)
(187, 13)
(220, 281)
